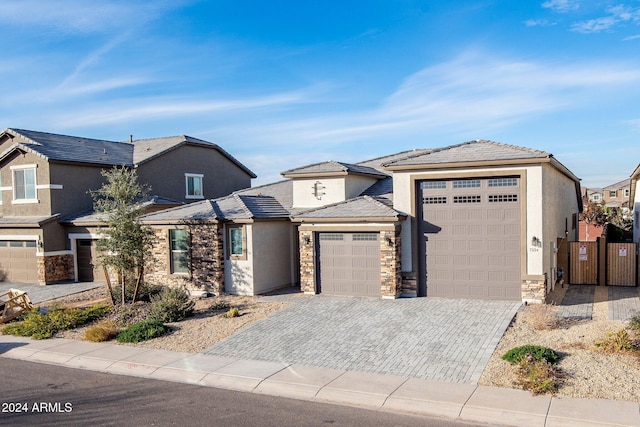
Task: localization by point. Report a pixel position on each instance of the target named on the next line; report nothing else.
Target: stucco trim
(348, 227)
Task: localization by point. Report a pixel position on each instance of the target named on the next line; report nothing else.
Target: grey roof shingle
(332, 167)
(359, 207)
(378, 162)
(472, 151)
(101, 152)
(383, 188)
(72, 148)
(26, 221)
(203, 210)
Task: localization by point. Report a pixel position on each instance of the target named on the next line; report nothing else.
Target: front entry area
(471, 229)
(349, 264)
(88, 270)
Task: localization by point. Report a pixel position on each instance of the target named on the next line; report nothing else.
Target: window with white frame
(24, 184)
(179, 244)
(626, 193)
(612, 193)
(237, 242)
(193, 183)
(596, 197)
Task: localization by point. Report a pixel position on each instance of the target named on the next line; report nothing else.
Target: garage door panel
(18, 261)
(473, 249)
(349, 264)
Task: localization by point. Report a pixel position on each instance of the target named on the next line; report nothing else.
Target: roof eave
(350, 219)
(472, 164)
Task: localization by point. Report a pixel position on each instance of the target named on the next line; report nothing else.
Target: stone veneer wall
(307, 265)
(55, 268)
(206, 260)
(390, 264)
(534, 291)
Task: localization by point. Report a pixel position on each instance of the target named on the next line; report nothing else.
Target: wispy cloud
(561, 5)
(616, 15)
(79, 16)
(538, 23)
(635, 37)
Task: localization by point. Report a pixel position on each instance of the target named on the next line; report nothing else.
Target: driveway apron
(429, 338)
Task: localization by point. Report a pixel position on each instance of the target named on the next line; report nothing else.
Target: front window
(179, 251)
(237, 249)
(194, 186)
(626, 193)
(612, 193)
(596, 197)
(24, 184)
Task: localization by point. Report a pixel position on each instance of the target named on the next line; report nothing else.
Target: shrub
(634, 322)
(541, 316)
(143, 331)
(616, 342)
(517, 354)
(103, 331)
(539, 376)
(145, 292)
(171, 305)
(126, 315)
(233, 312)
(44, 325)
(220, 305)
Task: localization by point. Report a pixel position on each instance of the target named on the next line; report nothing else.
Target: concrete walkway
(468, 402)
(40, 293)
(624, 302)
(428, 338)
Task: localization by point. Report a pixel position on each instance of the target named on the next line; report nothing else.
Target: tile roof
(378, 162)
(102, 152)
(618, 185)
(472, 151)
(229, 208)
(383, 188)
(92, 217)
(73, 148)
(26, 221)
(332, 167)
(359, 207)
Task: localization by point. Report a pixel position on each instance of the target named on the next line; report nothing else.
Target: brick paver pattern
(578, 302)
(624, 302)
(430, 338)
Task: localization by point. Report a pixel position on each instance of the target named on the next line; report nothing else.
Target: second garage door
(473, 246)
(18, 262)
(349, 264)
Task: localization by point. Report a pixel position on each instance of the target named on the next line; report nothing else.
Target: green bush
(143, 331)
(220, 305)
(517, 354)
(44, 325)
(634, 322)
(171, 305)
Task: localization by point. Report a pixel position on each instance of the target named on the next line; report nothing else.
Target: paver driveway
(429, 338)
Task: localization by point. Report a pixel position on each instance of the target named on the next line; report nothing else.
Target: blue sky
(281, 84)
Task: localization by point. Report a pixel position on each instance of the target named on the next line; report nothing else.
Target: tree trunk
(140, 274)
(123, 280)
(106, 275)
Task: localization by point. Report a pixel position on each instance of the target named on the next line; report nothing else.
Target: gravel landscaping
(590, 373)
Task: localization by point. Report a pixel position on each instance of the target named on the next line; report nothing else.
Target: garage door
(349, 264)
(473, 238)
(18, 262)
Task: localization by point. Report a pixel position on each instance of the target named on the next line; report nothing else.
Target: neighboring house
(590, 232)
(617, 195)
(593, 194)
(634, 202)
(474, 220)
(46, 226)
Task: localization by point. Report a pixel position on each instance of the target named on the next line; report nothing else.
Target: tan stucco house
(474, 220)
(47, 229)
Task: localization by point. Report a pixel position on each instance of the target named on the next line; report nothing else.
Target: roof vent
(104, 151)
(130, 137)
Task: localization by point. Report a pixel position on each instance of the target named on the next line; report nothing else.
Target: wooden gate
(600, 263)
(621, 264)
(583, 263)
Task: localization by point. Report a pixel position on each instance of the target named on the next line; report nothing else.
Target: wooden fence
(602, 263)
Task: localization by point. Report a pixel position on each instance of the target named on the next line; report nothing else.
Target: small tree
(125, 243)
(593, 213)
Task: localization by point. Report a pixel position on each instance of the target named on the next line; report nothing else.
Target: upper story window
(596, 197)
(24, 184)
(612, 193)
(626, 193)
(193, 184)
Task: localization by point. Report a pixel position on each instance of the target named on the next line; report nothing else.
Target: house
(617, 195)
(634, 202)
(46, 226)
(474, 220)
(589, 232)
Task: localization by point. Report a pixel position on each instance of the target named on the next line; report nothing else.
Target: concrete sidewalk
(467, 402)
